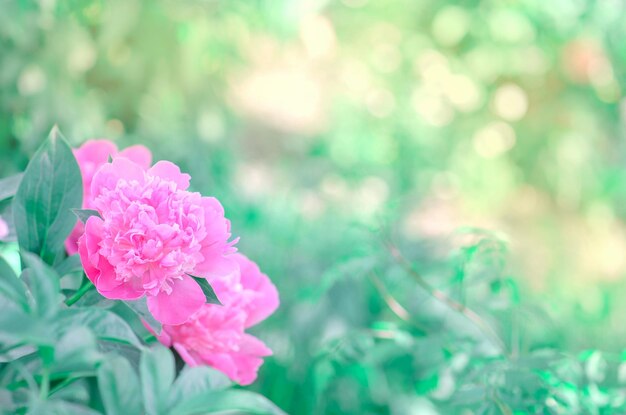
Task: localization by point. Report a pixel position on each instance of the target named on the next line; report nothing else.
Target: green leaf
(11, 286)
(119, 387)
(51, 186)
(208, 291)
(157, 374)
(9, 185)
(84, 214)
(105, 324)
(43, 284)
(193, 381)
(69, 265)
(76, 351)
(18, 326)
(229, 400)
(140, 307)
(54, 407)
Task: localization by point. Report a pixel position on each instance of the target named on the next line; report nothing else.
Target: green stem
(62, 384)
(45, 384)
(82, 291)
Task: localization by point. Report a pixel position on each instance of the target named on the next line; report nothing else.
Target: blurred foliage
(319, 123)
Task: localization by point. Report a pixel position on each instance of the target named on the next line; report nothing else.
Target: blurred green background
(484, 138)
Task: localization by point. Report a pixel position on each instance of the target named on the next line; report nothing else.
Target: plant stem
(45, 384)
(82, 291)
(394, 305)
(444, 298)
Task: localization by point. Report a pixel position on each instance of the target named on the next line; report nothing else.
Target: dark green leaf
(105, 324)
(130, 353)
(18, 326)
(11, 286)
(51, 186)
(68, 265)
(229, 400)
(84, 214)
(193, 381)
(43, 284)
(209, 294)
(76, 351)
(157, 374)
(140, 307)
(9, 185)
(54, 407)
(119, 387)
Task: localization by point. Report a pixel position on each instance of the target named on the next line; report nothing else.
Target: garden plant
(342, 207)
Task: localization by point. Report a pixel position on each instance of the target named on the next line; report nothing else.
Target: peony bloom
(152, 235)
(90, 156)
(4, 229)
(215, 335)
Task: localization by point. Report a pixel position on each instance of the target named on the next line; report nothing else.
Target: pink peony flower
(152, 235)
(90, 156)
(4, 229)
(215, 335)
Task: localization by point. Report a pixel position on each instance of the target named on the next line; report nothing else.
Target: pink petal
(254, 346)
(88, 248)
(122, 292)
(109, 286)
(98, 269)
(265, 299)
(175, 308)
(109, 174)
(248, 360)
(95, 151)
(186, 355)
(138, 154)
(71, 243)
(217, 267)
(4, 229)
(224, 362)
(170, 171)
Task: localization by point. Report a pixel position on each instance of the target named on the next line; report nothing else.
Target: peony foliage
(82, 333)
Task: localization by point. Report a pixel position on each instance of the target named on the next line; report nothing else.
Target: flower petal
(109, 174)
(264, 300)
(170, 171)
(175, 308)
(71, 243)
(138, 154)
(222, 266)
(87, 248)
(95, 152)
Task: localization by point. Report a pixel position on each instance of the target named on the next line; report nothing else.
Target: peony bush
(148, 276)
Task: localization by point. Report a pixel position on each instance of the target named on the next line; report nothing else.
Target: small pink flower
(215, 335)
(4, 229)
(154, 234)
(90, 156)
